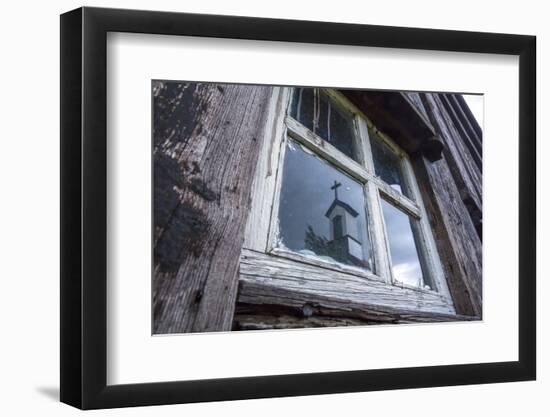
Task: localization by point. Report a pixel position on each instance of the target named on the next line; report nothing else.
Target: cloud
(408, 273)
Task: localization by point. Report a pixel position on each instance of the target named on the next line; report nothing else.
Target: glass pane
(321, 210)
(406, 265)
(386, 163)
(315, 111)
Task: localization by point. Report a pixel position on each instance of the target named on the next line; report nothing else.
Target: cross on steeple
(335, 188)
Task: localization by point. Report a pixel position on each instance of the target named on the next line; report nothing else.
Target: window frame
(280, 128)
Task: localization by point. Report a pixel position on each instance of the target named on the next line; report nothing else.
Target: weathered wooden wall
(205, 149)
(452, 193)
(278, 293)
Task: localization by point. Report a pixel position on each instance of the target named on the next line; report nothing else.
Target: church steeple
(344, 229)
(339, 203)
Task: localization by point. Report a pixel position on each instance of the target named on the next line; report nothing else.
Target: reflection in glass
(315, 111)
(406, 267)
(386, 163)
(322, 210)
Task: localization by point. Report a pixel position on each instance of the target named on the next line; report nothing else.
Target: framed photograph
(257, 208)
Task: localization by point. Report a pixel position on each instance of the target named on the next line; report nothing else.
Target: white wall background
(29, 226)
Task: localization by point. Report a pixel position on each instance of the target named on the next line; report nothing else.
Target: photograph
(267, 205)
(292, 207)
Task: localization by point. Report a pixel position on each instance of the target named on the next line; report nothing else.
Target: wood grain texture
(205, 150)
(467, 147)
(272, 317)
(457, 241)
(465, 166)
(275, 294)
(336, 277)
(217, 153)
(416, 100)
(267, 279)
(450, 188)
(266, 172)
(456, 108)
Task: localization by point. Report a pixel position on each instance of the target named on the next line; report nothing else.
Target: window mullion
(378, 237)
(364, 140)
(372, 196)
(399, 200)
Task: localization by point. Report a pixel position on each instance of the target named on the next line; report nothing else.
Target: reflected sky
(322, 210)
(404, 256)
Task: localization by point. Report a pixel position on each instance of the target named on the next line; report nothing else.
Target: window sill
(283, 283)
(346, 269)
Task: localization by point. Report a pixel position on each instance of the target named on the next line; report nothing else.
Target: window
(336, 213)
(347, 197)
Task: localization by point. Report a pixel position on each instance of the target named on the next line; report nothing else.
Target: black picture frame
(84, 207)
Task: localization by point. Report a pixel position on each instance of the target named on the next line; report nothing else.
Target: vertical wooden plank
(206, 143)
(464, 116)
(447, 185)
(363, 131)
(455, 235)
(375, 217)
(415, 99)
(466, 173)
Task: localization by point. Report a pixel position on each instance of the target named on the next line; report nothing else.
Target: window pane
(315, 111)
(321, 210)
(406, 265)
(386, 163)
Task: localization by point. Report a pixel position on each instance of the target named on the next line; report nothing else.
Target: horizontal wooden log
(273, 280)
(261, 306)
